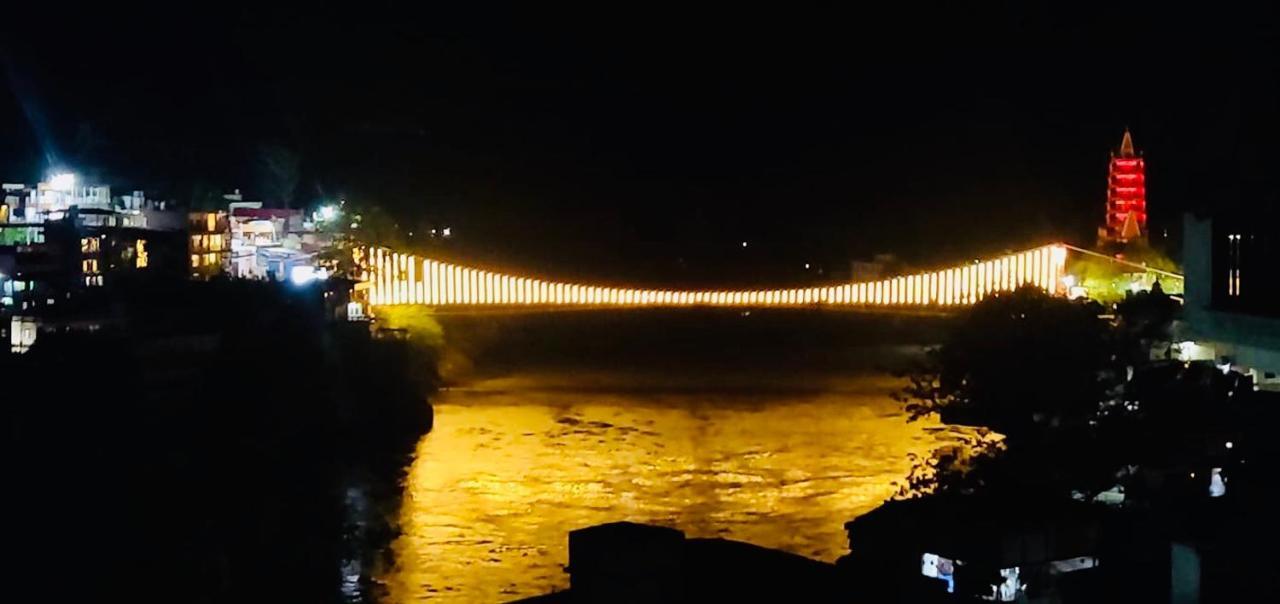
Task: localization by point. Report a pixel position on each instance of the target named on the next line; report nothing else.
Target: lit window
(141, 257)
(195, 260)
(1233, 269)
(211, 221)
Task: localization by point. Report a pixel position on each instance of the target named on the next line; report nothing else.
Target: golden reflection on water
(511, 468)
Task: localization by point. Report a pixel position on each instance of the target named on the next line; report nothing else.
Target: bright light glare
(1069, 281)
(302, 275)
(327, 213)
(63, 182)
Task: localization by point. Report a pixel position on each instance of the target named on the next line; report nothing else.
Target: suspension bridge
(391, 278)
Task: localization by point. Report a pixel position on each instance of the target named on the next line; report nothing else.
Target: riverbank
(213, 442)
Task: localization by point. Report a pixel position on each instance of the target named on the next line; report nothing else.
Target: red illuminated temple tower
(1126, 196)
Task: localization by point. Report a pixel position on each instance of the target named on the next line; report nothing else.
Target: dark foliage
(1017, 363)
(1036, 369)
(1145, 319)
(215, 443)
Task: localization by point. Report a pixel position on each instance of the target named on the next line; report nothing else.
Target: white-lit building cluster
(62, 237)
(391, 278)
(54, 199)
(248, 241)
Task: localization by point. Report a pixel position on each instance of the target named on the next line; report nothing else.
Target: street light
(326, 213)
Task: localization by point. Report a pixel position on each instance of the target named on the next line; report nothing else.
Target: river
(773, 429)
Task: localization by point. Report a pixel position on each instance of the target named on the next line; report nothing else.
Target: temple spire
(1126, 145)
(1126, 218)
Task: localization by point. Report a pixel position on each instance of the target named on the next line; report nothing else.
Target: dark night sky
(639, 143)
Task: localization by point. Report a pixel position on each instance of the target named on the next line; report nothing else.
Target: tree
(1145, 320)
(206, 196)
(1017, 363)
(1036, 369)
(278, 174)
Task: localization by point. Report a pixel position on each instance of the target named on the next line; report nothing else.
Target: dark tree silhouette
(278, 174)
(1145, 320)
(216, 442)
(1017, 363)
(1035, 368)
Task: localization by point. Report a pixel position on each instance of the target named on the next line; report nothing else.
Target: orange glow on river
(513, 465)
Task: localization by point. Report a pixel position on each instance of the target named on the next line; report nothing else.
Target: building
(209, 244)
(1126, 218)
(1232, 304)
(59, 240)
(629, 562)
(969, 546)
(49, 200)
(274, 244)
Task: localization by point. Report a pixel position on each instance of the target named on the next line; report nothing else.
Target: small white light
(744, 244)
(1229, 444)
(447, 231)
(806, 266)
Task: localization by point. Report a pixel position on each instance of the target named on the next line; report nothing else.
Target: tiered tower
(1126, 195)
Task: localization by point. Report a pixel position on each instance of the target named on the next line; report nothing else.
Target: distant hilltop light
(744, 244)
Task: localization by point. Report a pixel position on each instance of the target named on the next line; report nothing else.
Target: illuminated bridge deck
(391, 278)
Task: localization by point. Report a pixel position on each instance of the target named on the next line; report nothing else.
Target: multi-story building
(1232, 305)
(59, 240)
(209, 244)
(269, 243)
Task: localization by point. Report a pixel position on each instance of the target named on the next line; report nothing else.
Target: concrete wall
(1251, 344)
